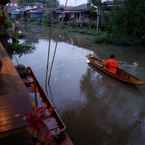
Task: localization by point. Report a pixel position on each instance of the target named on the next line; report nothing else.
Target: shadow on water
(94, 134)
(92, 126)
(94, 83)
(115, 116)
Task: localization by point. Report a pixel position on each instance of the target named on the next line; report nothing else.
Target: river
(96, 109)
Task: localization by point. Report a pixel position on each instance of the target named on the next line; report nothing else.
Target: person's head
(112, 56)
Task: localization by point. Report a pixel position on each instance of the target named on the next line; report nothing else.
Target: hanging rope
(49, 73)
(51, 67)
(66, 2)
(16, 59)
(47, 65)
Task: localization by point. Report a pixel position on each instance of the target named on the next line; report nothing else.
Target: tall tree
(96, 5)
(128, 19)
(95, 2)
(51, 3)
(3, 23)
(3, 12)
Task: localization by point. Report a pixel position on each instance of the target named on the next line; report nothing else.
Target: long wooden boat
(44, 122)
(121, 75)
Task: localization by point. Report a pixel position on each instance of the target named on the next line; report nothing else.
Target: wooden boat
(44, 122)
(121, 75)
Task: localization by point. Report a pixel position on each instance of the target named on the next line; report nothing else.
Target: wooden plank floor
(14, 103)
(14, 99)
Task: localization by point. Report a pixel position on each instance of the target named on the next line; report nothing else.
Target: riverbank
(102, 37)
(88, 34)
(60, 33)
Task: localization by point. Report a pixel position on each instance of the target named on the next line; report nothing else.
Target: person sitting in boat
(111, 64)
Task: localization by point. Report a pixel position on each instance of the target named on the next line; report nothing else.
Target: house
(78, 15)
(82, 14)
(34, 10)
(13, 9)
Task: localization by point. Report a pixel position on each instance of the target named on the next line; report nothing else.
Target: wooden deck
(14, 99)
(14, 103)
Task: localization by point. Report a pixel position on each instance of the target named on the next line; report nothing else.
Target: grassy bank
(102, 37)
(79, 34)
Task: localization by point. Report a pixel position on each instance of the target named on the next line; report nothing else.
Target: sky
(73, 2)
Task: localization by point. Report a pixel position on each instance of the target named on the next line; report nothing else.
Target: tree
(96, 5)
(95, 2)
(52, 3)
(3, 12)
(3, 23)
(128, 20)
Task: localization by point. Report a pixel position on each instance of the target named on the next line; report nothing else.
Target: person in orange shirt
(111, 64)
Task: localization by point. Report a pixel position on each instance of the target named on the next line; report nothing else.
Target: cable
(52, 62)
(16, 60)
(49, 73)
(66, 2)
(47, 65)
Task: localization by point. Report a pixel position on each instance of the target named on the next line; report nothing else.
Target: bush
(21, 48)
(102, 37)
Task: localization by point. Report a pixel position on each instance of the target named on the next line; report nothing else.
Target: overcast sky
(73, 2)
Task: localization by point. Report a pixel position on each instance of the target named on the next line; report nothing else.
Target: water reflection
(97, 109)
(118, 107)
(67, 70)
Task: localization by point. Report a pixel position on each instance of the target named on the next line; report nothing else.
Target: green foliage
(7, 24)
(4, 22)
(95, 2)
(1, 13)
(21, 48)
(46, 20)
(102, 37)
(127, 21)
(51, 3)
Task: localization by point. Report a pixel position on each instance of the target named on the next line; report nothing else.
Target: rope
(49, 73)
(52, 62)
(16, 59)
(48, 76)
(47, 65)
(66, 2)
